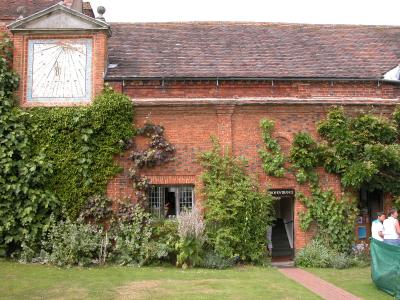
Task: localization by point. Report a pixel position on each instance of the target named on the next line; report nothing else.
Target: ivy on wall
(364, 151)
(8, 78)
(80, 143)
(305, 156)
(272, 158)
(25, 203)
(334, 218)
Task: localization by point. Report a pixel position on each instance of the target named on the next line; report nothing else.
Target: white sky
(383, 12)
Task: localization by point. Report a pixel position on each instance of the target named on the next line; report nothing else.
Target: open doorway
(283, 229)
(370, 203)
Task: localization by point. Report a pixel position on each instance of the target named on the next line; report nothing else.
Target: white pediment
(58, 17)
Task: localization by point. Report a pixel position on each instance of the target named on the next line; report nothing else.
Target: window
(169, 201)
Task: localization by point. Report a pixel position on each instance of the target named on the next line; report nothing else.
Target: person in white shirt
(391, 229)
(377, 227)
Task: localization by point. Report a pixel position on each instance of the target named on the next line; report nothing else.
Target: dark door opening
(370, 203)
(283, 228)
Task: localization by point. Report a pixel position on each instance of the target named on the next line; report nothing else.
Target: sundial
(59, 70)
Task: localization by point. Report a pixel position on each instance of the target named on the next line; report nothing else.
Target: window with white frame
(169, 201)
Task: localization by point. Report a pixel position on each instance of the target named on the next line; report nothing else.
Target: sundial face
(59, 70)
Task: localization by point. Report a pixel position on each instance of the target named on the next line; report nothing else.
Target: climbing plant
(80, 143)
(8, 78)
(25, 202)
(334, 218)
(305, 156)
(271, 156)
(363, 150)
(159, 152)
(237, 213)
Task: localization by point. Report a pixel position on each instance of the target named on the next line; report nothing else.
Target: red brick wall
(3, 28)
(236, 89)
(21, 64)
(192, 111)
(189, 126)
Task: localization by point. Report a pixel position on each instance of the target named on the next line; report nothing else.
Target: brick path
(320, 287)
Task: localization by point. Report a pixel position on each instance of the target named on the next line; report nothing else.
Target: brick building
(204, 79)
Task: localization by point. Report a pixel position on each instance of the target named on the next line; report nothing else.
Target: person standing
(391, 229)
(377, 227)
(269, 239)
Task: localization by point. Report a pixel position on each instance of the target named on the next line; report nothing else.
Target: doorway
(283, 229)
(370, 203)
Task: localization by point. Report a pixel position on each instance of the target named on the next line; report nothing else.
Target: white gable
(393, 74)
(58, 17)
(59, 20)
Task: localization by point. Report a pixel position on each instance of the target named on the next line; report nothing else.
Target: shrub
(317, 255)
(314, 255)
(341, 261)
(237, 214)
(72, 243)
(131, 234)
(98, 209)
(162, 246)
(191, 238)
(126, 236)
(212, 260)
(361, 255)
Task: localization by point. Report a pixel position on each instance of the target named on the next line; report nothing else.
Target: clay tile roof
(251, 50)
(8, 8)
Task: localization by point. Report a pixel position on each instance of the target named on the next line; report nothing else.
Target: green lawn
(355, 280)
(30, 281)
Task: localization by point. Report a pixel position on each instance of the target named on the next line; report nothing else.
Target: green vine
(305, 156)
(25, 202)
(272, 157)
(80, 143)
(237, 213)
(364, 151)
(334, 218)
(8, 78)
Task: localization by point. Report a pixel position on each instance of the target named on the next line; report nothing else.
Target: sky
(374, 12)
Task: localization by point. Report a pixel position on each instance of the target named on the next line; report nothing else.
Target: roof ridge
(252, 23)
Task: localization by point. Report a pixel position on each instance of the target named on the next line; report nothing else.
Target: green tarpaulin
(385, 267)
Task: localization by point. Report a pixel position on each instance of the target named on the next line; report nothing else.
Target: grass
(29, 281)
(355, 280)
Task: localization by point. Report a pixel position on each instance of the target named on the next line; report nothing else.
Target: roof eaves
(118, 78)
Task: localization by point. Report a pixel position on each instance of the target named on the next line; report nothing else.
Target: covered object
(385, 267)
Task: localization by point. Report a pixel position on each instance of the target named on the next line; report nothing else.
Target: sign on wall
(282, 192)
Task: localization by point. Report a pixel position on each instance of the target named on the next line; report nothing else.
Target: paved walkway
(320, 287)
